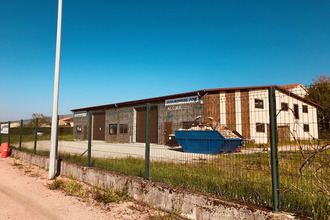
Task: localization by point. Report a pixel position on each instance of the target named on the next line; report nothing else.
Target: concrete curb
(190, 204)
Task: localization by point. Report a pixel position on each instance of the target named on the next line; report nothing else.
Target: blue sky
(120, 50)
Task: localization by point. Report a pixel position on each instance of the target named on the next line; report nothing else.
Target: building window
(296, 111)
(259, 103)
(305, 109)
(112, 128)
(123, 128)
(260, 127)
(284, 106)
(306, 128)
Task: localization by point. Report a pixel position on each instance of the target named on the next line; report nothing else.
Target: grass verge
(75, 188)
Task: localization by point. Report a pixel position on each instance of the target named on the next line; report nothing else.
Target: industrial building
(244, 110)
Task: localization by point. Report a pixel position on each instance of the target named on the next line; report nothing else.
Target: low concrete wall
(191, 204)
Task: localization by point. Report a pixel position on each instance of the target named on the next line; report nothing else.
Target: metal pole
(20, 135)
(147, 153)
(273, 149)
(8, 133)
(55, 96)
(90, 117)
(56, 151)
(36, 136)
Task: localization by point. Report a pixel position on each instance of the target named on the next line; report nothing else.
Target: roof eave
(141, 101)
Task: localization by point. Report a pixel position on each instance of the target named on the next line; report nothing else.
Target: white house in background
(15, 124)
(297, 89)
(66, 121)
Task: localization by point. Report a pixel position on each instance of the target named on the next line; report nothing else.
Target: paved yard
(117, 150)
(102, 149)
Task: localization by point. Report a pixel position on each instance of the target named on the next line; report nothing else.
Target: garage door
(99, 126)
(141, 125)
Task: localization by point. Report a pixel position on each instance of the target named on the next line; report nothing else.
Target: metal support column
(147, 153)
(273, 151)
(90, 117)
(20, 135)
(8, 133)
(36, 136)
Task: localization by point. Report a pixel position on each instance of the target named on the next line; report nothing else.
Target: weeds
(71, 187)
(74, 188)
(110, 195)
(56, 185)
(15, 164)
(169, 216)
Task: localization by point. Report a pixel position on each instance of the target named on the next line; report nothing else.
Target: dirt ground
(24, 194)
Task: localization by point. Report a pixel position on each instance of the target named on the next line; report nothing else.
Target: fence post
(147, 153)
(90, 117)
(273, 149)
(9, 133)
(35, 136)
(56, 146)
(20, 135)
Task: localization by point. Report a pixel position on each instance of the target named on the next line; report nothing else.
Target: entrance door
(167, 131)
(99, 126)
(141, 117)
(283, 133)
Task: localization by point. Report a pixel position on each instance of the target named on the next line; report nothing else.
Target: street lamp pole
(55, 97)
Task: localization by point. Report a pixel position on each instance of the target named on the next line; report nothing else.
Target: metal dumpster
(206, 141)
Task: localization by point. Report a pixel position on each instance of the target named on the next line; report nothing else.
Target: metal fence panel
(303, 158)
(219, 144)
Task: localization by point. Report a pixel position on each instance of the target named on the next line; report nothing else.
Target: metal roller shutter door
(141, 125)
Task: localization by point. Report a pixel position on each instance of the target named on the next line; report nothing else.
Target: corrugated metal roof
(141, 101)
(198, 92)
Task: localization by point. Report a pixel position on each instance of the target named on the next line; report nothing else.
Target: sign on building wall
(80, 114)
(4, 129)
(180, 101)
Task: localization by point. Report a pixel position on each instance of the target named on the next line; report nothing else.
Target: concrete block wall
(177, 114)
(120, 116)
(83, 122)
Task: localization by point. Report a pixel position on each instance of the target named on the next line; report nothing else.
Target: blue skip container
(206, 142)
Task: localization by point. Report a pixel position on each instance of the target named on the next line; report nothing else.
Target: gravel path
(24, 195)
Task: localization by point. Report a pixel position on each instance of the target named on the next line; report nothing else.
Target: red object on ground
(238, 150)
(4, 150)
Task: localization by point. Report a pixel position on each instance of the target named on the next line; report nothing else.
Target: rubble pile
(224, 131)
(227, 133)
(200, 128)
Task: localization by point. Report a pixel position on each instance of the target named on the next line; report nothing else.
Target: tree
(43, 121)
(319, 92)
